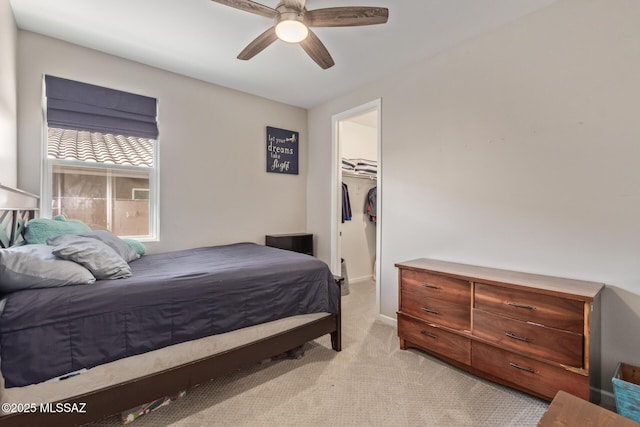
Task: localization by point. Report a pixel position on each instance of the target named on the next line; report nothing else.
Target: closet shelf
(359, 175)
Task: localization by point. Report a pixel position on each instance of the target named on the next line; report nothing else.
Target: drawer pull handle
(429, 310)
(522, 368)
(516, 305)
(429, 334)
(515, 337)
(426, 285)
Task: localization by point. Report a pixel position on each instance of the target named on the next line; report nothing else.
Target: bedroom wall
(517, 150)
(8, 101)
(213, 185)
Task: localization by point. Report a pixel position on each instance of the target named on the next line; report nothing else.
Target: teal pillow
(136, 246)
(40, 229)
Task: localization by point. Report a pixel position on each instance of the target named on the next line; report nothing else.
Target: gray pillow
(102, 261)
(121, 247)
(35, 266)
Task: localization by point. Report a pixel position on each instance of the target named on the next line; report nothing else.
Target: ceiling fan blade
(317, 51)
(294, 4)
(346, 16)
(249, 6)
(259, 44)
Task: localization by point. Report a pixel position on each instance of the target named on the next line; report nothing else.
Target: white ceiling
(201, 39)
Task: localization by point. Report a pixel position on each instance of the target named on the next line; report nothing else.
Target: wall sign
(282, 151)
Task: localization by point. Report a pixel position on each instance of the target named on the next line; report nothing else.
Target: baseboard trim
(607, 399)
(361, 279)
(388, 320)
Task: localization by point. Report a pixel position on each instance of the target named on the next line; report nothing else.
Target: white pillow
(97, 257)
(35, 266)
(121, 247)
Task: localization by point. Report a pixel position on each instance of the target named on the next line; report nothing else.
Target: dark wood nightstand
(297, 242)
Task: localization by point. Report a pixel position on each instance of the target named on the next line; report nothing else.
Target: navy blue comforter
(172, 297)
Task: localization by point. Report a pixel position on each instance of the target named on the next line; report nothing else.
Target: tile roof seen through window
(66, 144)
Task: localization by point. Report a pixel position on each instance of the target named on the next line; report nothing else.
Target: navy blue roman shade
(86, 107)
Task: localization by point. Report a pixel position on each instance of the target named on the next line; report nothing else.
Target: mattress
(150, 363)
(171, 298)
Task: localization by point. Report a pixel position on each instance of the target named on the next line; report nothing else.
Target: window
(99, 169)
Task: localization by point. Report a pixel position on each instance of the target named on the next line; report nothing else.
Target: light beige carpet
(370, 383)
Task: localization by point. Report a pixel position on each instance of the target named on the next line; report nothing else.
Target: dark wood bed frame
(114, 399)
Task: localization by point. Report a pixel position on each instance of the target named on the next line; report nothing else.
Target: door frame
(336, 185)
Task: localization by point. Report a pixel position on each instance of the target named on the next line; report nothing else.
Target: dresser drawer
(535, 340)
(432, 310)
(553, 311)
(429, 285)
(533, 375)
(427, 337)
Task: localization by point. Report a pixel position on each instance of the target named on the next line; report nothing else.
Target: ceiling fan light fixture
(291, 30)
(291, 22)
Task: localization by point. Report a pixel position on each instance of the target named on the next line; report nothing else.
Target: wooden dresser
(535, 333)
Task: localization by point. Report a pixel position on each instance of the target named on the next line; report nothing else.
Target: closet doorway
(356, 223)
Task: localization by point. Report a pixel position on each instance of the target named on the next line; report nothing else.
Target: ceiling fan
(292, 21)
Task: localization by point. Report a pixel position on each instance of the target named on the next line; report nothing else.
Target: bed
(181, 319)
